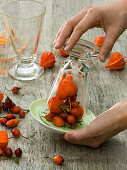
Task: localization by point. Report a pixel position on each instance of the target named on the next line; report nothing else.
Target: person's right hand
(106, 125)
(112, 17)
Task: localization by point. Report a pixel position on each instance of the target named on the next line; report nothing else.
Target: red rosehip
(8, 152)
(10, 116)
(16, 132)
(71, 119)
(15, 90)
(1, 152)
(12, 123)
(58, 121)
(5, 106)
(16, 109)
(22, 114)
(18, 152)
(1, 96)
(1, 109)
(8, 103)
(3, 121)
(49, 116)
(63, 115)
(12, 105)
(58, 160)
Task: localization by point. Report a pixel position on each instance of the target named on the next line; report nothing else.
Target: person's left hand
(102, 128)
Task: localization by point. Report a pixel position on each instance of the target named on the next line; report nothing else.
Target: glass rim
(41, 14)
(83, 48)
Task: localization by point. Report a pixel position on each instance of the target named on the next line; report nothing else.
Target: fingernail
(57, 44)
(67, 137)
(54, 42)
(103, 58)
(66, 48)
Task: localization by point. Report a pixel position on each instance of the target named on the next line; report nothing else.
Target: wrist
(122, 116)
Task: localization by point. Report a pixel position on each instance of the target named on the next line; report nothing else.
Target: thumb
(109, 40)
(76, 136)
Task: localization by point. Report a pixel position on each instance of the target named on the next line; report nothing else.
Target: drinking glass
(76, 67)
(24, 19)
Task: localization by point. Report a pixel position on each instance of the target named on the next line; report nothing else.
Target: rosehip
(3, 121)
(12, 123)
(81, 112)
(15, 90)
(58, 160)
(49, 116)
(1, 152)
(58, 121)
(8, 100)
(63, 115)
(10, 116)
(12, 104)
(75, 111)
(16, 109)
(22, 114)
(70, 119)
(1, 109)
(1, 96)
(73, 98)
(8, 152)
(8, 103)
(74, 104)
(18, 152)
(5, 106)
(15, 132)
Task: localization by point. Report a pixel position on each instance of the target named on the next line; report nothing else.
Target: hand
(102, 128)
(112, 17)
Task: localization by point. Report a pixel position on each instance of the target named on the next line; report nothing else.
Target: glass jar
(72, 81)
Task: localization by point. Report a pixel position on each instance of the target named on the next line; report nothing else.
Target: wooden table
(106, 88)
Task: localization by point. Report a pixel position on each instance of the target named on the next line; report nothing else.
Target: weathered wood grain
(106, 88)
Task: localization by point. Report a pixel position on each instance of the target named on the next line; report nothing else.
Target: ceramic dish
(37, 108)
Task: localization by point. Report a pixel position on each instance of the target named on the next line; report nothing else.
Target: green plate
(37, 108)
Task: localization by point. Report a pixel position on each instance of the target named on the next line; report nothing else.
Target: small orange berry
(58, 121)
(70, 119)
(58, 160)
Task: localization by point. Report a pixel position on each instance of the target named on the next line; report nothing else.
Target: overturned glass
(69, 94)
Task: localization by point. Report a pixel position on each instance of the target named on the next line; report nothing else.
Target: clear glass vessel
(76, 68)
(24, 19)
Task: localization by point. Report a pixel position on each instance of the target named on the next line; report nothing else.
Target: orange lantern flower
(99, 40)
(47, 59)
(116, 61)
(62, 52)
(69, 77)
(3, 139)
(67, 88)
